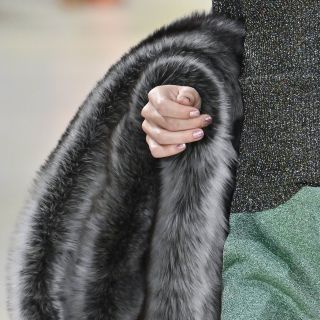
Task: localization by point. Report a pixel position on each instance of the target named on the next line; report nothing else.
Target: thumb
(189, 96)
(184, 100)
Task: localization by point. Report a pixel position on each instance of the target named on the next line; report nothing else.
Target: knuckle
(158, 136)
(144, 126)
(160, 103)
(155, 155)
(152, 92)
(152, 146)
(143, 112)
(146, 110)
(154, 150)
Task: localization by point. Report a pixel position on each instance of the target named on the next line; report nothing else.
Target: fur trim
(108, 231)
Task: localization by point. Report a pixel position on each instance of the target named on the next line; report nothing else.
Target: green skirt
(271, 261)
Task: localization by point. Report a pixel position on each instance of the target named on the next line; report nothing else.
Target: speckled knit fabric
(271, 255)
(279, 150)
(271, 262)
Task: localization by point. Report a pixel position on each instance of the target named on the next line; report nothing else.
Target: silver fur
(108, 231)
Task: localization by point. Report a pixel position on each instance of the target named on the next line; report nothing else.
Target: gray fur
(108, 231)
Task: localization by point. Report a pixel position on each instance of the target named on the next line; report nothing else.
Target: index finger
(169, 108)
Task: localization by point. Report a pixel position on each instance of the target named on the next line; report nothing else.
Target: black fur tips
(108, 231)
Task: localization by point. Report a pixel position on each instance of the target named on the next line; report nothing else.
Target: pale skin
(172, 115)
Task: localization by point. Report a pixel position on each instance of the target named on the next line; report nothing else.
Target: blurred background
(51, 55)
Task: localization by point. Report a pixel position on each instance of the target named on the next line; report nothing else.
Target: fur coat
(109, 231)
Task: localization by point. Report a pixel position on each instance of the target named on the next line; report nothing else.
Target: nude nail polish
(195, 113)
(208, 119)
(198, 133)
(181, 146)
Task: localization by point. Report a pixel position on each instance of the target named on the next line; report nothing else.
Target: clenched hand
(172, 119)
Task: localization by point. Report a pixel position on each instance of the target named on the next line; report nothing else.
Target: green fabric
(271, 262)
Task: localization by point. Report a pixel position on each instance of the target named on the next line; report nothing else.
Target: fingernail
(208, 119)
(198, 133)
(181, 146)
(195, 113)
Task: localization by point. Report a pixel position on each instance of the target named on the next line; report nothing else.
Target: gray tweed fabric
(279, 146)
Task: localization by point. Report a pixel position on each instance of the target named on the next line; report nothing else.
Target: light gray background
(51, 56)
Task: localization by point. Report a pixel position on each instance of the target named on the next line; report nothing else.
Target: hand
(172, 115)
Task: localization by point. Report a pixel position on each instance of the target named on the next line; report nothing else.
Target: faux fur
(109, 231)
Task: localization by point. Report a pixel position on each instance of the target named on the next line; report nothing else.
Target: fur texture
(109, 232)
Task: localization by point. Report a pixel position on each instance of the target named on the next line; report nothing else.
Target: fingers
(174, 124)
(161, 151)
(166, 137)
(175, 101)
(169, 108)
(172, 119)
(190, 96)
